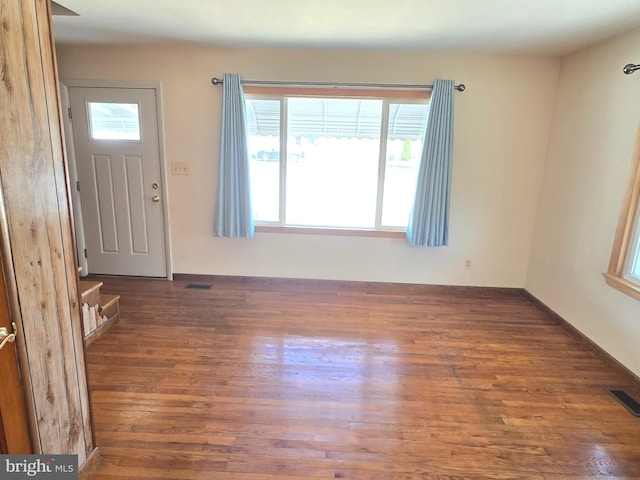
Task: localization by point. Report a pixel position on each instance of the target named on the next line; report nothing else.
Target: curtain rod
(629, 68)
(399, 86)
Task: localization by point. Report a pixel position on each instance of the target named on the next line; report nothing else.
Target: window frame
(387, 96)
(627, 233)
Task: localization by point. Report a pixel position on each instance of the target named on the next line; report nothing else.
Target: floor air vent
(198, 286)
(626, 400)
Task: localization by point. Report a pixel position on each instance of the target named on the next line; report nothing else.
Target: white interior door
(116, 141)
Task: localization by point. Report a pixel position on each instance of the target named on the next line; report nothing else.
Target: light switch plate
(179, 168)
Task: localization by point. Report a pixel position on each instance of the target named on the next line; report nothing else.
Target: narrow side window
(624, 266)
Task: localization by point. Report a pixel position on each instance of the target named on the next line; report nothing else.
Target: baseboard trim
(344, 284)
(583, 339)
(90, 464)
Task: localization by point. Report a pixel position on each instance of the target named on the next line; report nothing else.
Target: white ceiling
(551, 27)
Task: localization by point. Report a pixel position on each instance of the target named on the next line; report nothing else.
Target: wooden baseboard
(343, 284)
(90, 464)
(583, 339)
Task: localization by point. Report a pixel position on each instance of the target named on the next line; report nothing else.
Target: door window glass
(114, 121)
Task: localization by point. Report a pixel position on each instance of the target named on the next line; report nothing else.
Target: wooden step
(89, 292)
(109, 306)
(108, 316)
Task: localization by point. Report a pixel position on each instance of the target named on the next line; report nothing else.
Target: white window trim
(282, 95)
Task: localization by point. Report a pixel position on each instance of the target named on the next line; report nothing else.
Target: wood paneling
(263, 380)
(38, 240)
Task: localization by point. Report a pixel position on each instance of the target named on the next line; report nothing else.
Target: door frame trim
(73, 172)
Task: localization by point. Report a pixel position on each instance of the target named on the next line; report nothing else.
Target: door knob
(6, 337)
(155, 198)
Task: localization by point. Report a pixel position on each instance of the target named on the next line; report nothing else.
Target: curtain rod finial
(630, 68)
(216, 81)
(461, 87)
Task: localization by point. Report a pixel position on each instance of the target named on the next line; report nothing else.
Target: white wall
(501, 135)
(594, 126)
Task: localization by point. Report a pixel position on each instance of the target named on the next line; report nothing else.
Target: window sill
(347, 232)
(623, 285)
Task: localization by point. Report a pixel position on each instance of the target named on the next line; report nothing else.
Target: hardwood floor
(265, 380)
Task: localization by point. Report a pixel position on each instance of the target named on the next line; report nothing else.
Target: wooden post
(37, 233)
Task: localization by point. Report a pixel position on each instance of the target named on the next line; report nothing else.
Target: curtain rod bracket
(629, 68)
(218, 81)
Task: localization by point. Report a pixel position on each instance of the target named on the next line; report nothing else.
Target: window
(632, 272)
(114, 121)
(624, 267)
(333, 160)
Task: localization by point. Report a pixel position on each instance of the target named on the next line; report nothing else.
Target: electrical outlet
(467, 265)
(179, 168)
